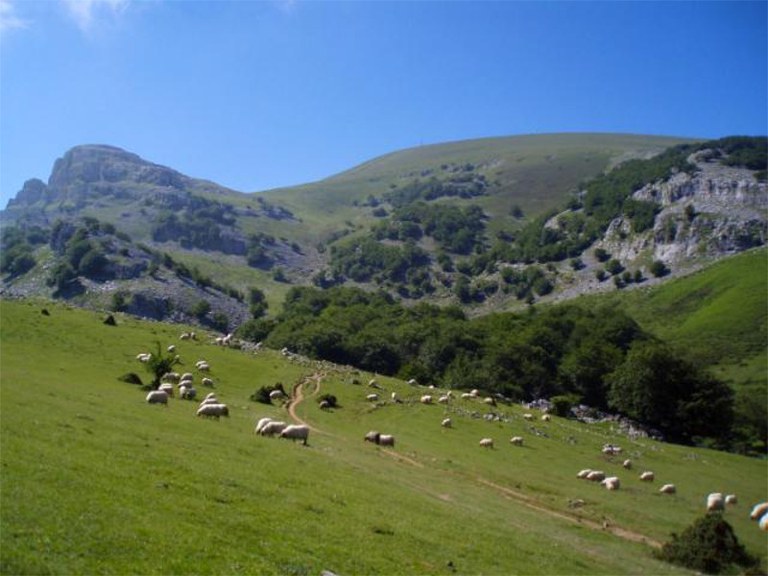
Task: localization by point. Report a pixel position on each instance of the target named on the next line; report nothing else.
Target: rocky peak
(94, 164)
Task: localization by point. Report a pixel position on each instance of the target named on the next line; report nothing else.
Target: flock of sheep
(211, 407)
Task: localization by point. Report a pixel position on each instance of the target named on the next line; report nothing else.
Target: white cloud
(86, 13)
(8, 18)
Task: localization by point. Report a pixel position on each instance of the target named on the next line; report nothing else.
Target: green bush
(708, 545)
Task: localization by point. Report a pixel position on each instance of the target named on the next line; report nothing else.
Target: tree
(659, 269)
(665, 391)
(601, 254)
(159, 364)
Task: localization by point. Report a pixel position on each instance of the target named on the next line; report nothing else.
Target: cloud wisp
(86, 13)
(8, 18)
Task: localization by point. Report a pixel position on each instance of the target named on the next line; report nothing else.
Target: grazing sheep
(426, 399)
(527, 416)
(627, 464)
(213, 410)
(172, 377)
(386, 440)
(276, 395)
(157, 397)
(144, 357)
(261, 423)
(611, 449)
(184, 336)
(668, 489)
(647, 476)
(412, 382)
(474, 392)
(715, 502)
(273, 427)
(611, 483)
(731, 500)
(372, 436)
(167, 388)
(446, 423)
(490, 401)
(443, 399)
(171, 349)
(324, 405)
(596, 476)
(187, 376)
(546, 418)
(583, 474)
(372, 397)
(296, 432)
(200, 363)
(759, 510)
(209, 400)
(467, 396)
(763, 524)
(187, 393)
(516, 440)
(207, 382)
(204, 367)
(486, 442)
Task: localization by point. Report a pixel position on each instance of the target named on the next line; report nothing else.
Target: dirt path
(297, 397)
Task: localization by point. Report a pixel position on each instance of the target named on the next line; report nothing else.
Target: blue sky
(257, 95)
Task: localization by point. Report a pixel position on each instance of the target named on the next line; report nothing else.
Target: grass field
(96, 481)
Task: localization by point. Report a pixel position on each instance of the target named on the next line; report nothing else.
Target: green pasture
(96, 481)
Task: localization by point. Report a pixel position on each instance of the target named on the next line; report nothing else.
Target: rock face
(91, 172)
(714, 211)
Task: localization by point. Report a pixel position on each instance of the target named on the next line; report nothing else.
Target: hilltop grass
(96, 481)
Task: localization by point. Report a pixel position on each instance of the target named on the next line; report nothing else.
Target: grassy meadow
(96, 481)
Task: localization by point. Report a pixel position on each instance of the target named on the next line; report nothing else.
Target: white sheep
(490, 401)
(207, 382)
(486, 442)
(272, 428)
(516, 440)
(763, 524)
(172, 377)
(731, 500)
(200, 363)
(759, 510)
(157, 397)
(583, 473)
(171, 349)
(144, 357)
(627, 464)
(261, 423)
(187, 376)
(372, 397)
(527, 416)
(443, 399)
(647, 476)
(167, 388)
(209, 400)
(296, 432)
(467, 396)
(715, 502)
(213, 410)
(474, 392)
(372, 436)
(426, 399)
(611, 483)
(596, 476)
(546, 418)
(446, 423)
(276, 394)
(386, 440)
(668, 489)
(187, 393)
(204, 367)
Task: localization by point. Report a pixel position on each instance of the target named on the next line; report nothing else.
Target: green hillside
(97, 481)
(535, 172)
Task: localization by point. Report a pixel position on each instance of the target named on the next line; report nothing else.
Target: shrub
(659, 269)
(708, 545)
(561, 405)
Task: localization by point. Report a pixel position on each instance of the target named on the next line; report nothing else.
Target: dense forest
(598, 357)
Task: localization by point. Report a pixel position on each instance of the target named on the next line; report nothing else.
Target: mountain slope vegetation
(95, 480)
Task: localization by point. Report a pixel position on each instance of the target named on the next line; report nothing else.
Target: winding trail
(297, 397)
